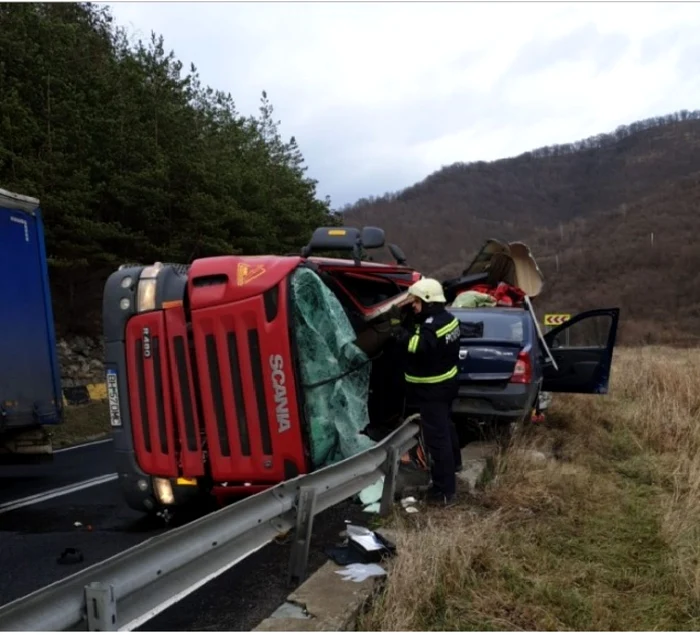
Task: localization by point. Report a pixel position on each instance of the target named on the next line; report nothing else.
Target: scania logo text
(279, 385)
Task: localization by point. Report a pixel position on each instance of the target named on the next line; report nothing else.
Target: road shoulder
(327, 601)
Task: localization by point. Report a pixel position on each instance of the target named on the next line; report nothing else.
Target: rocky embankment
(81, 360)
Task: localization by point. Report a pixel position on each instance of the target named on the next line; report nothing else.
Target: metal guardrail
(127, 590)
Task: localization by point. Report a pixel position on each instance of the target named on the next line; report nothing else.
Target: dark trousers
(440, 437)
(455, 446)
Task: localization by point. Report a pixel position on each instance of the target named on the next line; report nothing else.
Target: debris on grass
(359, 572)
(591, 523)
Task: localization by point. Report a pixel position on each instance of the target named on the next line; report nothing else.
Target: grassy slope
(81, 424)
(600, 535)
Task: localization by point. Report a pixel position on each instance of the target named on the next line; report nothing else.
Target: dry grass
(603, 535)
(81, 424)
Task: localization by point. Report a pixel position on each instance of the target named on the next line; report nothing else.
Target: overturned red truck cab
(227, 376)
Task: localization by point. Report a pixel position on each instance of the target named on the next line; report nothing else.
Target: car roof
(490, 309)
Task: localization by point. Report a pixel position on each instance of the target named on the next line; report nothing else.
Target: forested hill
(613, 220)
(133, 158)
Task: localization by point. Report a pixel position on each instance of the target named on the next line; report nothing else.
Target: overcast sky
(379, 95)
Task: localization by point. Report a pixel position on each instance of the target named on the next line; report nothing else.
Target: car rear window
(491, 325)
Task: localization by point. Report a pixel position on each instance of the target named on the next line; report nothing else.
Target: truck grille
(232, 346)
(151, 405)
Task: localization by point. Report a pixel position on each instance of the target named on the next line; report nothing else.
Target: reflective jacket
(432, 353)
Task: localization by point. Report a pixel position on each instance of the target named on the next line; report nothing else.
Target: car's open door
(583, 350)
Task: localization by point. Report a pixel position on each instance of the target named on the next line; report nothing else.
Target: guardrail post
(299, 558)
(390, 473)
(101, 607)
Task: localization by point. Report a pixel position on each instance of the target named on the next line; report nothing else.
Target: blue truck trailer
(31, 401)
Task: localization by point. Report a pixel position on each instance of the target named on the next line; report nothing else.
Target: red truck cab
(208, 383)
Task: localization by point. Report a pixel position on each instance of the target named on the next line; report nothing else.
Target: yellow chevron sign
(556, 319)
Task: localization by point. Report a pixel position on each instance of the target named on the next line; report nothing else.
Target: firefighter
(431, 382)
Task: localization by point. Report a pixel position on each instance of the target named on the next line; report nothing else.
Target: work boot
(436, 498)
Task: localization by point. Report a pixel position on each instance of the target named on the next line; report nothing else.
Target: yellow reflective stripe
(448, 328)
(413, 344)
(432, 380)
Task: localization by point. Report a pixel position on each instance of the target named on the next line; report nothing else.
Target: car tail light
(523, 369)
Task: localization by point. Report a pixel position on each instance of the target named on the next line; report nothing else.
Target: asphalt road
(35, 535)
(68, 467)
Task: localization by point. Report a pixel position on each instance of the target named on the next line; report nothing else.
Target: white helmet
(428, 290)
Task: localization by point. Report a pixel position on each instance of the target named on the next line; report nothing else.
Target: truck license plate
(115, 417)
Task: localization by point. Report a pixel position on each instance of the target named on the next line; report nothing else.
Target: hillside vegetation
(612, 220)
(590, 524)
(133, 159)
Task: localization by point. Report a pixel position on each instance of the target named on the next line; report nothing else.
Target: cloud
(585, 44)
(381, 94)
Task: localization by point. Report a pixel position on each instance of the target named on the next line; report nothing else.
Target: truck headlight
(146, 293)
(164, 490)
(151, 272)
(146, 296)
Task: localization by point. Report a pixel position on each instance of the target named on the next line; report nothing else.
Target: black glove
(391, 327)
(395, 315)
(409, 321)
(400, 334)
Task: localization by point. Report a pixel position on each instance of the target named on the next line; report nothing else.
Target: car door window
(593, 332)
(583, 351)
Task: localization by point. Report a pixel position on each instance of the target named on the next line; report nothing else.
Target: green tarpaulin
(334, 371)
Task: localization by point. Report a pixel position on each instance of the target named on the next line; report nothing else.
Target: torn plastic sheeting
(371, 544)
(372, 493)
(290, 610)
(358, 572)
(335, 372)
(368, 543)
(408, 505)
(362, 545)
